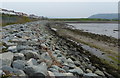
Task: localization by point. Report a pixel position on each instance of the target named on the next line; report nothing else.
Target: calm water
(107, 29)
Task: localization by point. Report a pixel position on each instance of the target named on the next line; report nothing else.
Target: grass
(80, 19)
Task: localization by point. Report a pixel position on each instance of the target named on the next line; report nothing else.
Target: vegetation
(81, 19)
(14, 19)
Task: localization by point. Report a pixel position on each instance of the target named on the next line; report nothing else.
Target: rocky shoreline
(34, 50)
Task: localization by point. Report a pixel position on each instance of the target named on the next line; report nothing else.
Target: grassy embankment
(7, 19)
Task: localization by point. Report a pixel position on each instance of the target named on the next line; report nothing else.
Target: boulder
(5, 60)
(51, 74)
(32, 61)
(19, 64)
(90, 75)
(19, 56)
(53, 70)
(36, 71)
(30, 54)
(45, 56)
(1, 73)
(58, 68)
(19, 72)
(77, 70)
(12, 48)
(88, 71)
(98, 72)
(7, 69)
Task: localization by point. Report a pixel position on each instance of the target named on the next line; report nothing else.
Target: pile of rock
(32, 50)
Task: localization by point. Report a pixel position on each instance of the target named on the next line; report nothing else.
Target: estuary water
(108, 29)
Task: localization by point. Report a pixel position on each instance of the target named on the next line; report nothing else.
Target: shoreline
(64, 32)
(87, 21)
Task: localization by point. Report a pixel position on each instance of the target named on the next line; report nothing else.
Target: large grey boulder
(6, 58)
(34, 71)
(19, 64)
(19, 56)
(30, 54)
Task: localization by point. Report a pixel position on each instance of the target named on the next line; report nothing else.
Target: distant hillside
(105, 16)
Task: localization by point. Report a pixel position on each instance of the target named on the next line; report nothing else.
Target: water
(107, 29)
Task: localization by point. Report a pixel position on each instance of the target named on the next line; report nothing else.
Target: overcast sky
(63, 9)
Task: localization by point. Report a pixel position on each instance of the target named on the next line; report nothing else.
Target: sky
(62, 9)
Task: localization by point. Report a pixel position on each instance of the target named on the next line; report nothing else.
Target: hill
(105, 16)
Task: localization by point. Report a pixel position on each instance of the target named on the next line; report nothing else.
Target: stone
(1, 73)
(62, 75)
(88, 71)
(45, 56)
(19, 72)
(7, 69)
(19, 64)
(77, 70)
(12, 48)
(53, 70)
(43, 46)
(30, 54)
(39, 70)
(65, 68)
(58, 68)
(32, 61)
(70, 60)
(51, 74)
(88, 75)
(24, 47)
(77, 63)
(19, 56)
(5, 60)
(98, 72)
